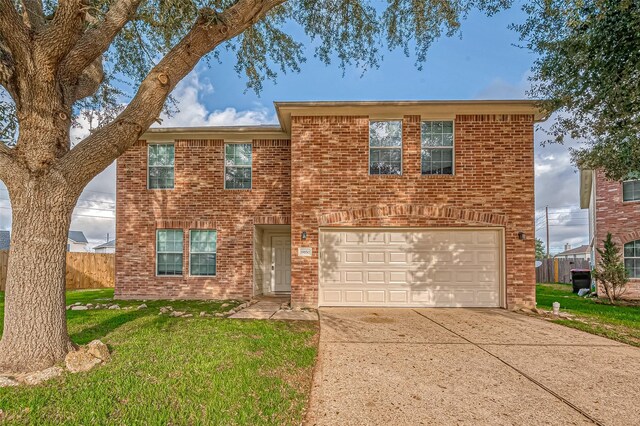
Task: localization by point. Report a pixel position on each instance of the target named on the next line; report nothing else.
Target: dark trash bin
(580, 278)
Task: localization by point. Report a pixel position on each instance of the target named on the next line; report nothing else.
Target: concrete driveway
(468, 366)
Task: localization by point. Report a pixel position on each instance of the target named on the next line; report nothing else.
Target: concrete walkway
(466, 366)
(272, 308)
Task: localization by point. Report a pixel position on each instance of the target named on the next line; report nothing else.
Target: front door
(281, 264)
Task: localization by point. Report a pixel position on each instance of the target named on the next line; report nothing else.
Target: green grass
(174, 370)
(618, 322)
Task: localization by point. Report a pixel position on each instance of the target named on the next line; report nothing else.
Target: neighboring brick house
(614, 207)
(414, 203)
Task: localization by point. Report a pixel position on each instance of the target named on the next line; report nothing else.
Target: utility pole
(546, 209)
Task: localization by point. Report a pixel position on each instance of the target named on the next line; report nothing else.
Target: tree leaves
(351, 32)
(589, 70)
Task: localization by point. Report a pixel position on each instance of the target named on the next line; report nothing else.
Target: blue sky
(460, 67)
(480, 63)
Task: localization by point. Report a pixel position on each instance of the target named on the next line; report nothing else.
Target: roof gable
(77, 237)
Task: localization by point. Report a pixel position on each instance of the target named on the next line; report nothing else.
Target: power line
(77, 214)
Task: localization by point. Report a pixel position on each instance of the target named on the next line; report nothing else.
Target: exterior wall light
(303, 235)
(522, 236)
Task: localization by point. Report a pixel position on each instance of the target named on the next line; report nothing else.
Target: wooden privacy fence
(84, 270)
(559, 270)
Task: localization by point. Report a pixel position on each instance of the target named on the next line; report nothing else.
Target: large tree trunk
(35, 330)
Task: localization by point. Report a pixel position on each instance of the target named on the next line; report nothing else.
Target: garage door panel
(400, 238)
(376, 257)
(459, 267)
(376, 277)
(399, 257)
(354, 296)
(487, 257)
(398, 277)
(376, 296)
(354, 277)
(353, 257)
(398, 296)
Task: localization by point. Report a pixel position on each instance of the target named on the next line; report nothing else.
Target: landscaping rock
(89, 305)
(80, 360)
(202, 314)
(187, 316)
(99, 350)
(38, 377)
(224, 305)
(77, 304)
(176, 314)
(79, 308)
(166, 309)
(143, 306)
(114, 307)
(218, 315)
(7, 381)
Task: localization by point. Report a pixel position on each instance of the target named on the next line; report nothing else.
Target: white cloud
(502, 89)
(193, 112)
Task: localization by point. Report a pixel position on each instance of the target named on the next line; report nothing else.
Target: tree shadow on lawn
(105, 327)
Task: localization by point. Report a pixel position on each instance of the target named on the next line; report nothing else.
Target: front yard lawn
(174, 370)
(616, 322)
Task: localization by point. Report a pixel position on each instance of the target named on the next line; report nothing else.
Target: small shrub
(610, 271)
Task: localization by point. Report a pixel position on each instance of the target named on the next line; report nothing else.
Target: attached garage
(452, 267)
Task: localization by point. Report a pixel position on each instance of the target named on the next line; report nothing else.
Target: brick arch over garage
(417, 210)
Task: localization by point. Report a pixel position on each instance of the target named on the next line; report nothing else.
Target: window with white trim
(437, 147)
(169, 252)
(631, 190)
(161, 158)
(632, 258)
(237, 165)
(202, 252)
(385, 147)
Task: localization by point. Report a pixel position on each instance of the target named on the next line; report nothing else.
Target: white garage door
(384, 267)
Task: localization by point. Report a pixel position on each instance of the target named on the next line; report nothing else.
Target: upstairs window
(632, 258)
(202, 253)
(237, 166)
(385, 147)
(161, 166)
(437, 147)
(631, 190)
(169, 252)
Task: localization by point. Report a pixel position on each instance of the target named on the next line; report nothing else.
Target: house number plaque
(305, 251)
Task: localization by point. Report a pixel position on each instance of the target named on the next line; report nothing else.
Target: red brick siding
(620, 218)
(199, 200)
(494, 178)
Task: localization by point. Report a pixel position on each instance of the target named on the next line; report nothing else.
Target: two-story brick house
(614, 207)
(414, 203)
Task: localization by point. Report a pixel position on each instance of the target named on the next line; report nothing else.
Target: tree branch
(13, 32)
(63, 32)
(96, 41)
(33, 15)
(106, 144)
(9, 167)
(7, 69)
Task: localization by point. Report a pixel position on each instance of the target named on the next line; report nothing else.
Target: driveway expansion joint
(522, 373)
